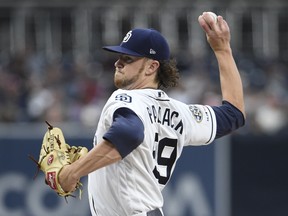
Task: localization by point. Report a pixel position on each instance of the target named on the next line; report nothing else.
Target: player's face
(129, 72)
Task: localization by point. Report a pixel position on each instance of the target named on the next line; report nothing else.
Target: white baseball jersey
(134, 184)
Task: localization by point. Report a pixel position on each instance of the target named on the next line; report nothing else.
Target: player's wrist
(72, 174)
(223, 51)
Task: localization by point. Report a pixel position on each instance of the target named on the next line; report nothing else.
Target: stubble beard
(123, 82)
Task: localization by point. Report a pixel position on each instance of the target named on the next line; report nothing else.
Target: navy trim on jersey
(228, 118)
(126, 132)
(159, 99)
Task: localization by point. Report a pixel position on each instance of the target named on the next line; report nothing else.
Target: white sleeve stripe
(213, 126)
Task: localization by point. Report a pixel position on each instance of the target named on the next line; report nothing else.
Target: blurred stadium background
(52, 68)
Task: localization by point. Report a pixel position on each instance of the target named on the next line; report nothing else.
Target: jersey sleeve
(202, 125)
(120, 124)
(126, 132)
(229, 118)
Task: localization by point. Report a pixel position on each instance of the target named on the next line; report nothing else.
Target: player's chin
(118, 76)
(118, 82)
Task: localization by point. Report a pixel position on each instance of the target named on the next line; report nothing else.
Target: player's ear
(153, 66)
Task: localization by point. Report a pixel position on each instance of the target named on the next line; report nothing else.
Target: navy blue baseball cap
(143, 42)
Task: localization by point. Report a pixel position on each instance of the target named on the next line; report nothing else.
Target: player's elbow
(229, 118)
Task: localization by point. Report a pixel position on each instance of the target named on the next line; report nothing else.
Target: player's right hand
(218, 34)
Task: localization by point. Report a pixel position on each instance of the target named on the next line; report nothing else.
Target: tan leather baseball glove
(54, 155)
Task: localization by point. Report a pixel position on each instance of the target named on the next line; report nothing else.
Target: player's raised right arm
(218, 36)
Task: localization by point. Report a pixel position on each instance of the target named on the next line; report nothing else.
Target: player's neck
(142, 86)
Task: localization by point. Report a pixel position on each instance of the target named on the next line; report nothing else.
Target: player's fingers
(209, 20)
(203, 24)
(222, 24)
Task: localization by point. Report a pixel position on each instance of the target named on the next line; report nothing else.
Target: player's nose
(118, 64)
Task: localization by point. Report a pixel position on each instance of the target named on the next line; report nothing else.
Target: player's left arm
(125, 134)
(218, 36)
(103, 154)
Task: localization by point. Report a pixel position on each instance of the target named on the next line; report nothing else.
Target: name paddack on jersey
(165, 116)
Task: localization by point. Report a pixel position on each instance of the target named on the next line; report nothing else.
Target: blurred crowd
(34, 88)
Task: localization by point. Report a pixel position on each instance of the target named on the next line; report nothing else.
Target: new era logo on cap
(152, 51)
(143, 42)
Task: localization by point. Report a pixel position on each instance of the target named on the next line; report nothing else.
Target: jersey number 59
(165, 157)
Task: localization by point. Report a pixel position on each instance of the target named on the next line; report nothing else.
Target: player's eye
(128, 59)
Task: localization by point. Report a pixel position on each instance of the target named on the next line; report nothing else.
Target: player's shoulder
(125, 98)
(121, 95)
(130, 96)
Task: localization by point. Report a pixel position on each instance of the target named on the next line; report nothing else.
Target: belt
(155, 212)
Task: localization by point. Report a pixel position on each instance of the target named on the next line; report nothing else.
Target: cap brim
(122, 50)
